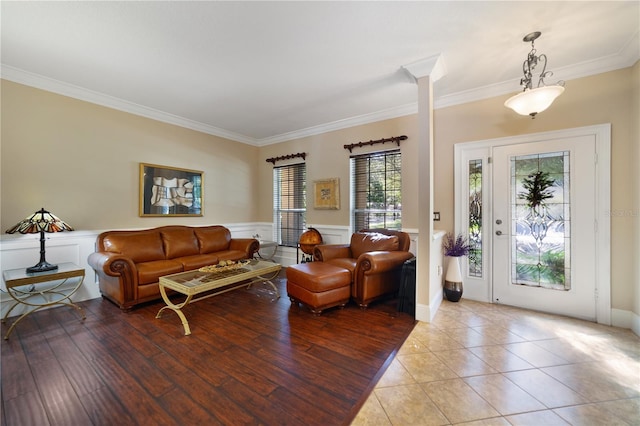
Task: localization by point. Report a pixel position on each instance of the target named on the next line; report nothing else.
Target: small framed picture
(327, 194)
(170, 191)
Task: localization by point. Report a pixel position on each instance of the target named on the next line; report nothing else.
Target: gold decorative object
(224, 265)
(327, 194)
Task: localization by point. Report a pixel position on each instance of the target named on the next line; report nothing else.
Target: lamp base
(42, 267)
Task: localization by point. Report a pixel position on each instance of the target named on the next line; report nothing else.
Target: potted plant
(454, 248)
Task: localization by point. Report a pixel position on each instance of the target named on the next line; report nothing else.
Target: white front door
(558, 261)
(544, 219)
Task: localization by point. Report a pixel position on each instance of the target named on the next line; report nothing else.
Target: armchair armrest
(326, 252)
(375, 262)
(247, 245)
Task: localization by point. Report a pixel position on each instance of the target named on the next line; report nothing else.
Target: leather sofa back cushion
(139, 246)
(179, 242)
(213, 238)
(366, 242)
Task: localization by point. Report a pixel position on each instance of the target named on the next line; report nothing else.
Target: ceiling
(264, 72)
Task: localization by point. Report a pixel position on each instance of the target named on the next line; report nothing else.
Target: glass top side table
(36, 291)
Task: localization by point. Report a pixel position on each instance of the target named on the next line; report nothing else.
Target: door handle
(498, 232)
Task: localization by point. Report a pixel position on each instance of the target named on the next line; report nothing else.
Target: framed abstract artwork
(327, 194)
(170, 191)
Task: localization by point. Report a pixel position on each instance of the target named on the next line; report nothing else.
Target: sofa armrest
(117, 276)
(112, 264)
(375, 262)
(248, 245)
(326, 252)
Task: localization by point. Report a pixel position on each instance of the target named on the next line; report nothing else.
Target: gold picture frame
(327, 194)
(170, 191)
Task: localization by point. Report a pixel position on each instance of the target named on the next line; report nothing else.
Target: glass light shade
(41, 220)
(532, 101)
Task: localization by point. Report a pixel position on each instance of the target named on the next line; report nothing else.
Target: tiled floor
(484, 364)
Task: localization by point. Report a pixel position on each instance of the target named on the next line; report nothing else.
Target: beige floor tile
(412, 346)
(591, 414)
(545, 388)
(437, 341)
(573, 350)
(531, 331)
(409, 405)
(585, 373)
(500, 359)
(395, 375)
(464, 363)
(625, 409)
(426, 367)
(494, 421)
(458, 401)
(537, 418)
(371, 414)
(468, 337)
(504, 395)
(600, 380)
(498, 334)
(535, 355)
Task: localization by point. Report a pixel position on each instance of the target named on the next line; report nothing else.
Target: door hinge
(595, 293)
(489, 160)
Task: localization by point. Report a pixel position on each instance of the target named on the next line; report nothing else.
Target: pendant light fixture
(532, 100)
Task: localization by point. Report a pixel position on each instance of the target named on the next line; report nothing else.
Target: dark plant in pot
(454, 248)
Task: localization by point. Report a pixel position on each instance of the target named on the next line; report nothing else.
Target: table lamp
(41, 221)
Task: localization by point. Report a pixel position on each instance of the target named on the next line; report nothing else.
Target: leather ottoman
(318, 285)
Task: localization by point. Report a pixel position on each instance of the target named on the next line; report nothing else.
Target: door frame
(482, 289)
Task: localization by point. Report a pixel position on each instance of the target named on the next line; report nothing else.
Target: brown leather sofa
(374, 257)
(129, 264)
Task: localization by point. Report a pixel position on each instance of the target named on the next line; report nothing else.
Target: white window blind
(289, 203)
(376, 185)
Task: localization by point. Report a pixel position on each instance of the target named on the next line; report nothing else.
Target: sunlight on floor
(496, 364)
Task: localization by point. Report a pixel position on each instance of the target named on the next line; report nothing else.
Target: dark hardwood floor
(249, 360)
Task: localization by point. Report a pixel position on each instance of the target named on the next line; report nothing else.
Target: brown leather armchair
(374, 257)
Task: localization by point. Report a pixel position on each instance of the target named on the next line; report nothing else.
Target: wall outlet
(436, 215)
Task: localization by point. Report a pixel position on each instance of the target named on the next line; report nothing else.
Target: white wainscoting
(22, 251)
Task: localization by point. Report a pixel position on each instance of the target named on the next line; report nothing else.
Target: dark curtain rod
(395, 139)
(286, 157)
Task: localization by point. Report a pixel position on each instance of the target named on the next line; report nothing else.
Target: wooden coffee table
(222, 280)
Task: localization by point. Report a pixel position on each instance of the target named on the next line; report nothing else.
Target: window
(289, 203)
(376, 185)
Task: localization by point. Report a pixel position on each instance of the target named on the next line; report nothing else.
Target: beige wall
(81, 162)
(635, 155)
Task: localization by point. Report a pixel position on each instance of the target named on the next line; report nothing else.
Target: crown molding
(373, 117)
(56, 86)
(626, 57)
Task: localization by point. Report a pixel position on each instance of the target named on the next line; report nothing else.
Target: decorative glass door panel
(543, 218)
(540, 220)
(475, 218)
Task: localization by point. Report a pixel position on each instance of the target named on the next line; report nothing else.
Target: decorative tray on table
(224, 265)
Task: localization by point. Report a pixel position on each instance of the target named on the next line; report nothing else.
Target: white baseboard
(625, 319)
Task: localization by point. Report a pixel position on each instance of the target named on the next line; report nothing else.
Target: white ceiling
(264, 72)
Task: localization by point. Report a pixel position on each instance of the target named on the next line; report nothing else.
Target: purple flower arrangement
(455, 247)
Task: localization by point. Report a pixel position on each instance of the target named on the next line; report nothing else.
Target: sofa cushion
(140, 246)
(213, 238)
(179, 242)
(197, 261)
(150, 272)
(363, 242)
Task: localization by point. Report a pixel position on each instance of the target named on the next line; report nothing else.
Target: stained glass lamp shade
(41, 221)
